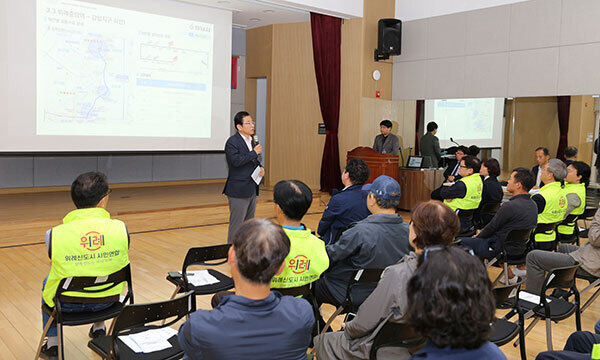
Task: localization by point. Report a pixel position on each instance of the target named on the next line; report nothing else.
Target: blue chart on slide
(104, 71)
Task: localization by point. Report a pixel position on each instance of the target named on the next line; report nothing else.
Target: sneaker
(518, 272)
(511, 281)
(94, 334)
(50, 353)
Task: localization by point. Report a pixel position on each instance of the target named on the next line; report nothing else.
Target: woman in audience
(432, 223)
(450, 302)
(492, 190)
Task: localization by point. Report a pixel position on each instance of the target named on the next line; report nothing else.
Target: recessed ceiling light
(268, 11)
(222, 2)
(255, 19)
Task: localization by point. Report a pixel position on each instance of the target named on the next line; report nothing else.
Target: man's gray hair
(558, 169)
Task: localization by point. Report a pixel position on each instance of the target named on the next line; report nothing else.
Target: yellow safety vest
(472, 199)
(306, 261)
(579, 190)
(87, 243)
(554, 210)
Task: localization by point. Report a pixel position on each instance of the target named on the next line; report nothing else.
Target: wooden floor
(164, 222)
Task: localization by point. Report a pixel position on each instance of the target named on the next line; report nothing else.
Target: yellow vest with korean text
(579, 190)
(87, 243)
(554, 210)
(474, 186)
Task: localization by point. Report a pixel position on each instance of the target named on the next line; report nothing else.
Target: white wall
(407, 10)
(532, 48)
(341, 8)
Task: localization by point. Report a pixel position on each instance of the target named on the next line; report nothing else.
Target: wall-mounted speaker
(389, 38)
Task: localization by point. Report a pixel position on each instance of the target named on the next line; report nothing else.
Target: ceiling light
(255, 19)
(222, 2)
(268, 11)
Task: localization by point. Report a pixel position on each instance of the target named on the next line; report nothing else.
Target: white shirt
(538, 179)
(248, 141)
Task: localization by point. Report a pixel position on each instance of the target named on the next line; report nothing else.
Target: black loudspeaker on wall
(389, 38)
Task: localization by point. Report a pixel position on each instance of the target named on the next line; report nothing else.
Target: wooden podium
(379, 164)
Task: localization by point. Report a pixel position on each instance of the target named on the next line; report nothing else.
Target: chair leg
(522, 337)
(527, 330)
(549, 334)
(506, 272)
(44, 332)
(333, 316)
(177, 288)
(498, 277)
(61, 349)
(590, 300)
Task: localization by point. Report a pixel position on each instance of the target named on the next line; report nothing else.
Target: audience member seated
(465, 194)
(551, 202)
(451, 173)
(432, 223)
(579, 346)
(520, 212)
(492, 190)
(386, 142)
(376, 242)
(571, 153)
(576, 183)
(542, 155)
(69, 255)
(450, 302)
(255, 321)
(539, 261)
(347, 206)
(429, 145)
(473, 150)
(307, 258)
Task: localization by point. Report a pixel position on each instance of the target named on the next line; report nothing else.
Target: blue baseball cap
(384, 187)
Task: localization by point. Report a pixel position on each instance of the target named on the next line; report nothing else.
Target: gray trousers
(540, 261)
(240, 210)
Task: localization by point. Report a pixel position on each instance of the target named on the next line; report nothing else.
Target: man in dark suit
(430, 145)
(542, 155)
(347, 206)
(451, 173)
(243, 157)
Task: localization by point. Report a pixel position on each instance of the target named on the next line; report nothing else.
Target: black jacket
(451, 166)
(241, 163)
(535, 170)
(492, 191)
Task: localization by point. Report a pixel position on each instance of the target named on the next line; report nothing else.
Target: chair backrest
(465, 215)
(562, 277)
(363, 276)
(295, 291)
(502, 293)
(395, 335)
(545, 228)
(518, 240)
(83, 283)
(206, 256)
(569, 219)
(136, 316)
(588, 213)
(490, 208)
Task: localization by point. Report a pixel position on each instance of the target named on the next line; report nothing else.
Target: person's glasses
(250, 123)
(463, 166)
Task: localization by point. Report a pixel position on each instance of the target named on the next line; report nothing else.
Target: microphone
(255, 139)
(452, 140)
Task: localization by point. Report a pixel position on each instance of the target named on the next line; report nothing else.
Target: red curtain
(564, 105)
(327, 39)
(234, 61)
(420, 109)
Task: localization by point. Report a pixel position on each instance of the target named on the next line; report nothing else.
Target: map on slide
(465, 118)
(103, 71)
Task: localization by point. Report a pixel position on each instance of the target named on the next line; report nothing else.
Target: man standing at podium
(386, 142)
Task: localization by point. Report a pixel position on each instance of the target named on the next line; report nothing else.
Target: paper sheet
(532, 298)
(150, 340)
(255, 175)
(201, 278)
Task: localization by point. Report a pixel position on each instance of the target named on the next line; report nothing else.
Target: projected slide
(465, 118)
(104, 71)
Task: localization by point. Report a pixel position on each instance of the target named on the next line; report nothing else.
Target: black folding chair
(305, 293)
(137, 318)
(588, 215)
(570, 220)
(82, 284)
(504, 330)
(594, 282)
(546, 229)
(363, 277)
(518, 243)
(203, 256)
(464, 216)
(552, 308)
(396, 335)
(486, 214)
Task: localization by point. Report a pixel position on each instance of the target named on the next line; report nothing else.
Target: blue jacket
(487, 351)
(241, 163)
(344, 208)
(276, 327)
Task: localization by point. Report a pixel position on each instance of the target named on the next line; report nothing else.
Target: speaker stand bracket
(378, 55)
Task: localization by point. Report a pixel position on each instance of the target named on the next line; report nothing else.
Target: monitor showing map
(109, 75)
(478, 121)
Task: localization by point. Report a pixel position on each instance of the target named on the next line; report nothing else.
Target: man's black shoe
(49, 353)
(97, 333)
